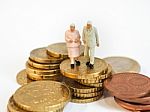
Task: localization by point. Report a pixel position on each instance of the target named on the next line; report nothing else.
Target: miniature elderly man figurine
(73, 42)
(90, 39)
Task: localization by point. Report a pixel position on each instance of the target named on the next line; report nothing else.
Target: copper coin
(132, 106)
(128, 85)
(141, 100)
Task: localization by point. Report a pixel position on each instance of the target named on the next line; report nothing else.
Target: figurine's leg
(77, 61)
(86, 54)
(92, 53)
(72, 62)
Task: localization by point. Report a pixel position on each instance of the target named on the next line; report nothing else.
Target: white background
(123, 26)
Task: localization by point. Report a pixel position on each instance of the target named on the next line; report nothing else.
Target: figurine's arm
(97, 37)
(83, 36)
(67, 37)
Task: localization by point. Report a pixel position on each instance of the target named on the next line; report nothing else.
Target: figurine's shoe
(91, 66)
(72, 66)
(87, 63)
(77, 63)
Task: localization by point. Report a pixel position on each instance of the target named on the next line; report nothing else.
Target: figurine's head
(89, 25)
(72, 27)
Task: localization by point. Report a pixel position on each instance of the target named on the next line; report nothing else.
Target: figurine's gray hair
(89, 22)
(73, 25)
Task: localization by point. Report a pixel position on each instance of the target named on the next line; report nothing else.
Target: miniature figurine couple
(90, 40)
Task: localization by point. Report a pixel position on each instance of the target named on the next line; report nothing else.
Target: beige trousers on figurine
(89, 53)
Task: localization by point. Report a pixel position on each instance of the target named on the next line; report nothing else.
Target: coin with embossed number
(40, 55)
(123, 64)
(42, 96)
(82, 71)
(59, 50)
(128, 85)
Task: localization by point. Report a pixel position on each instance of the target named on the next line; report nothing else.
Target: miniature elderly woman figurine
(73, 42)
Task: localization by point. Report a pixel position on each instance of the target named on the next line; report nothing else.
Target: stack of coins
(130, 90)
(40, 96)
(41, 66)
(43, 63)
(86, 84)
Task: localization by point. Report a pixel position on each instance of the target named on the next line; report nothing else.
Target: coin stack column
(86, 84)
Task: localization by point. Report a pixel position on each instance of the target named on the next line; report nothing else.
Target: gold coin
(40, 55)
(42, 96)
(94, 84)
(79, 88)
(88, 81)
(59, 50)
(83, 72)
(85, 100)
(98, 79)
(55, 77)
(43, 66)
(22, 78)
(87, 95)
(123, 64)
(31, 69)
(13, 108)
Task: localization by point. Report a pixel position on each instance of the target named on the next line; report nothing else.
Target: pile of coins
(40, 96)
(86, 84)
(130, 90)
(43, 64)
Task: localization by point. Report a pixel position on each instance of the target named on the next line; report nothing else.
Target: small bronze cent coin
(132, 106)
(128, 85)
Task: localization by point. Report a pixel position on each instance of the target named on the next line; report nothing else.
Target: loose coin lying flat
(43, 66)
(128, 85)
(85, 100)
(59, 50)
(82, 72)
(42, 96)
(123, 64)
(132, 106)
(40, 55)
(13, 108)
(79, 88)
(22, 78)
